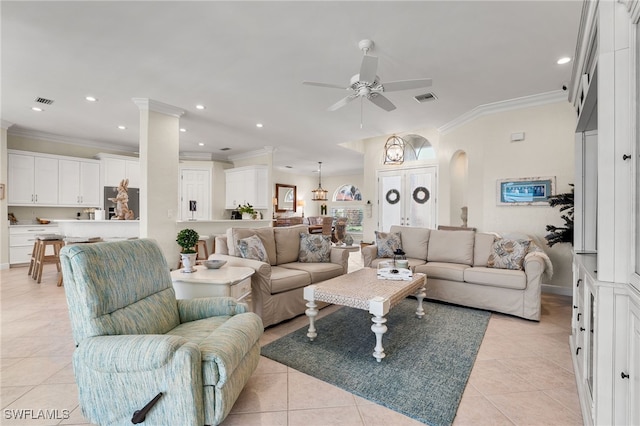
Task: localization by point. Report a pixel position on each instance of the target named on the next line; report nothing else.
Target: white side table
(234, 281)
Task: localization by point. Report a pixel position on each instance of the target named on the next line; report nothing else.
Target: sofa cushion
(285, 279)
(252, 248)
(287, 240)
(314, 248)
(415, 240)
(388, 243)
(505, 278)
(318, 271)
(482, 248)
(508, 254)
(265, 234)
(443, 270)
(451, 246)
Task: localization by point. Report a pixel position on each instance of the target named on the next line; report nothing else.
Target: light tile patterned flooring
(522, 376)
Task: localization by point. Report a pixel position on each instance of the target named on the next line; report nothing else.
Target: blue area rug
(427, 364)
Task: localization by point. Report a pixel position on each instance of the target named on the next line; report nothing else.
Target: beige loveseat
(457, 272)
(277, 285)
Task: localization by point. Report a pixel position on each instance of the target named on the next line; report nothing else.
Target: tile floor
(522, 376)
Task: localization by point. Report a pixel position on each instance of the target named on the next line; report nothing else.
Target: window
(354, 217)
(347, 193)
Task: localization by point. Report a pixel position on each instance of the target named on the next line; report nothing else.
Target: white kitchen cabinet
(32, 179)
(79, 183)
(21, 239)
(118, 167)
(247, 185)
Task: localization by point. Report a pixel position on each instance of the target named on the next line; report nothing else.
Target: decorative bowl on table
(213, 264)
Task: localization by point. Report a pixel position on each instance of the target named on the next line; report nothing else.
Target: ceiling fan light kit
(319, 194)
(367, 85)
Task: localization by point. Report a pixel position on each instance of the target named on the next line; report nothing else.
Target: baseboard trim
(556, 289)
(4, 266)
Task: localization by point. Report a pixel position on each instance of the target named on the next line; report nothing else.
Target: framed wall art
(534, 191)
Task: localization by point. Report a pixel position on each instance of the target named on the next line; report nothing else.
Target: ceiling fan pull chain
(361, 114)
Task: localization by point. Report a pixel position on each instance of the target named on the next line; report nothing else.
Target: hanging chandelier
(394, 150)
(319, 194)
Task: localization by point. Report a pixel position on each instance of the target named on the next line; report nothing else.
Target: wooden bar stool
(202, 246)
(42, 258)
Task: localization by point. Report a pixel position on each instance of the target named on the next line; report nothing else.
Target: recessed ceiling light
(259, 125)
(37, 109)
(91, 99)
(564, 60)
(183, 130)
(200, 144)
(122, 127)
(200, 106)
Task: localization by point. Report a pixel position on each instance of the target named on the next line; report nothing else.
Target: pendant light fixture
(319, 194)
(394, 150)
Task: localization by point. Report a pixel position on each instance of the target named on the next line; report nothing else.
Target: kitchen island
(106, 229)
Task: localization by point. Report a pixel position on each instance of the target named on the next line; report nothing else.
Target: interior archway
(458, 171)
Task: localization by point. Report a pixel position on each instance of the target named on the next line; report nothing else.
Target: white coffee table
(363, 290)
(234, 281)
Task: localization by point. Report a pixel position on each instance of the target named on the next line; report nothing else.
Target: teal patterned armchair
(135, 341)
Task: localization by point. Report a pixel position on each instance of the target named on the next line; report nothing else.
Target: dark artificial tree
(562, 234)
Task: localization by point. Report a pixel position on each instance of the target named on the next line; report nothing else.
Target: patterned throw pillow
(387, 243)
(252, 248)
(314, 248)
(508, 254)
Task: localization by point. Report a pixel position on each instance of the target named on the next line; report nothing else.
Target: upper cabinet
(32, 179)
(115, 168)
(79, 183)
(52, 180)
(247, 185)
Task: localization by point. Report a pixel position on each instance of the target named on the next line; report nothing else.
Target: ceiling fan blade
(393, 86)
(342, 102)
(382, 102)
(329, 85)
(368, 68)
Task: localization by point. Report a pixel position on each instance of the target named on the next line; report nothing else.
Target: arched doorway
(458, 174)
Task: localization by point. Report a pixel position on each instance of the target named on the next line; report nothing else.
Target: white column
(159, 174)
(4, 228)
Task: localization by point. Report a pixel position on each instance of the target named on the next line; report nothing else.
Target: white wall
(548, 150)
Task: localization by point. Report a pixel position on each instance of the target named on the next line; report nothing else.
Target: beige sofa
(277, 286)
(456, 266)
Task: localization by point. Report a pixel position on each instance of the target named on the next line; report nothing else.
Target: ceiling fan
(367, 84)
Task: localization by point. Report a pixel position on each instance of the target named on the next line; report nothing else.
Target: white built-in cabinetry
(52, 180)
(32, 179)
(21, 239)
(79, 183)
(195, 185)
(605, 338)
(115, 168)
(247, 185)
(605, 345)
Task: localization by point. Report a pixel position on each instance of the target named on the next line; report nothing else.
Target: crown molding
(51, 137)
(149, 104)
(511, 104)
(4, 124)
(253, 154)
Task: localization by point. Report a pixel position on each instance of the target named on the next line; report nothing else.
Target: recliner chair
(135, 341)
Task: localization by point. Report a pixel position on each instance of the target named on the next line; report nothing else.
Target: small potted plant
(188, 240)
(247, 211)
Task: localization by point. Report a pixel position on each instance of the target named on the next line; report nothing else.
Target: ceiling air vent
(225, 149)
(44, 101)
(426, 97)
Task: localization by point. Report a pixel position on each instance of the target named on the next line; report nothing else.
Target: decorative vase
(348, 240)
(188, 262)
(247, 216)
